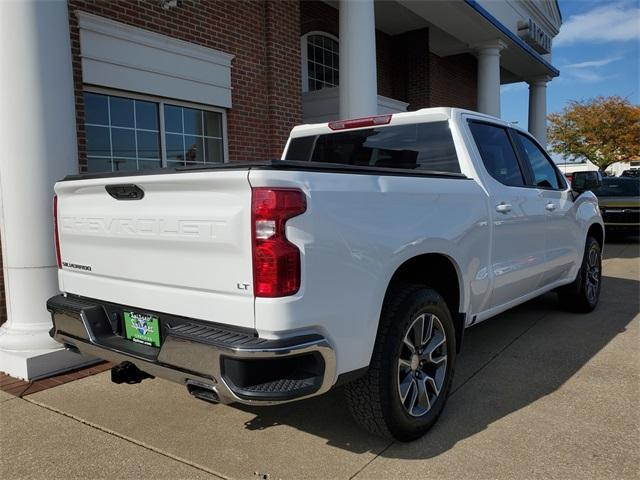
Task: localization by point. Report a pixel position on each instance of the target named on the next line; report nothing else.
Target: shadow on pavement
(519, 371)
(621, 245)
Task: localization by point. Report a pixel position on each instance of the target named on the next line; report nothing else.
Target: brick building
(108, 85)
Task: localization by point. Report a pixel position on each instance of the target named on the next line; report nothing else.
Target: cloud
(594, 63)
(588, 71)
(590, 77)
(609, 23)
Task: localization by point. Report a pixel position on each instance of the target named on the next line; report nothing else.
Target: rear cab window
(419, 146)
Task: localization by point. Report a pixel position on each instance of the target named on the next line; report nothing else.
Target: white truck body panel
(182, 249)
(388, 221)
(186, 248)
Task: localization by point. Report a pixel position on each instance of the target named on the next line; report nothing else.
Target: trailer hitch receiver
(127, 372)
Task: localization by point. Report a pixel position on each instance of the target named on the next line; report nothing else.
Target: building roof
(552, 71)
(462, 26)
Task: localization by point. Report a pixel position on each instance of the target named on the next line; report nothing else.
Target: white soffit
(120, 56)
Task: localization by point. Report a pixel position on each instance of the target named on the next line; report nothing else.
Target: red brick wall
(385, 64)
(317, 16)
(283, 72)
(453, 81)
(237, 27)
(411, 75)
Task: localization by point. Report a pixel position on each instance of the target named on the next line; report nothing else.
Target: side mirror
(583, 181)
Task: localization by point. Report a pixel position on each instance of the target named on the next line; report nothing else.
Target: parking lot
(538, 393)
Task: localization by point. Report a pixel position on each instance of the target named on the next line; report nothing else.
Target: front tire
(406, 386)
(583, 294)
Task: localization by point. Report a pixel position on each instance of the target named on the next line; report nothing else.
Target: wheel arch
(448, 283)
(596, 231)
(589, 219)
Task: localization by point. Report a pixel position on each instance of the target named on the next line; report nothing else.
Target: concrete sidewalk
(538, 393)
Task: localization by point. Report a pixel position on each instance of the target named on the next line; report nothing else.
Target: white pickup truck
(359, 258)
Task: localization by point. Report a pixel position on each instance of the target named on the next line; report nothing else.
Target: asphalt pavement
(538, 393)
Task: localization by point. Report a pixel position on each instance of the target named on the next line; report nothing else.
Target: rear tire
(406, 386)
(583, 294)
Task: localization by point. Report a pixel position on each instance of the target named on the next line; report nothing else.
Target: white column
(38, 138)
(538, 108)
(358, 78)
(489, 77)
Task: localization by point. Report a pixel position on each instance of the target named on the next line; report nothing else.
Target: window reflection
(192, 136)
(124, 134)
(120, 132)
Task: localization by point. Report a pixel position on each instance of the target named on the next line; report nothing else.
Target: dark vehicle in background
(619, 201)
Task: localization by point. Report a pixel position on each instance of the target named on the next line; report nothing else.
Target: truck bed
(270, 165)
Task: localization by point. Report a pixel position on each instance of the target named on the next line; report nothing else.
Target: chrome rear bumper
(237, 365)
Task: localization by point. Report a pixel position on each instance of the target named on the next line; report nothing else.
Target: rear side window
(422, 146)
(544, 175)
(497, 153)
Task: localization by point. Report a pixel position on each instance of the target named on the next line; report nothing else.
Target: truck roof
(433, 114)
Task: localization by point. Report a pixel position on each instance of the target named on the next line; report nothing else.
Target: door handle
(503, 207)
(551, 206)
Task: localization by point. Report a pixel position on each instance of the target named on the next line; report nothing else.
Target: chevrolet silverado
(357, 259)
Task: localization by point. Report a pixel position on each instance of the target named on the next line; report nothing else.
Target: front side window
(497, 153)
(544, 175)
(125, 134)
(322, 62)
(422, 146)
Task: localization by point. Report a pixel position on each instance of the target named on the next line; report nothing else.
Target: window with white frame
(320, 61)
(139, 132)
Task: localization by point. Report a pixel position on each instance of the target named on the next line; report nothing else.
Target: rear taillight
(55, 230)
(372, 121)
(276, 261)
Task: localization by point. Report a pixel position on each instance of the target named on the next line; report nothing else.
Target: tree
(604, 130)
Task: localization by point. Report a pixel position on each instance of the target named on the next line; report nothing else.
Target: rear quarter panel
(358, 229)
(587, 213)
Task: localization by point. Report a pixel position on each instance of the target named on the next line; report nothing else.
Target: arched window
(320, 61)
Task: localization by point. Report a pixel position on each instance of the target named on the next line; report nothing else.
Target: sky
(597, 52)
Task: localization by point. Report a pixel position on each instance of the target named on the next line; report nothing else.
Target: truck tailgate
(183, 248)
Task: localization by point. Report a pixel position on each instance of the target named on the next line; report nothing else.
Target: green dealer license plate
(142, 328)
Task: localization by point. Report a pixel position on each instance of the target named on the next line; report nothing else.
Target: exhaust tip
(202, 392)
